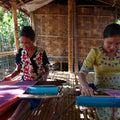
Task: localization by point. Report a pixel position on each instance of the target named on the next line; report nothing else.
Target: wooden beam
(70, 36)
(4, 2)
(75, 38)
(93, 6)
(7, 53)
(14, 12)
(51, 14)
(32, 20)
(105, 2)
(39, 96)
(116, 14)
(21, 3)
(61, 66)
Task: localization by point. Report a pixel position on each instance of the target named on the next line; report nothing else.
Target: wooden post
(32, 20)
(60, 65)
(70, 36)
(116, 14)
(14, 12)
(75, 39)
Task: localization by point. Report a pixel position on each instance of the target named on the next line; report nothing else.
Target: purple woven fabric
(115, 93)
(10, 90)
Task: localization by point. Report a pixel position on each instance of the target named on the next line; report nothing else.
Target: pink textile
(9, 90)
(115, 93)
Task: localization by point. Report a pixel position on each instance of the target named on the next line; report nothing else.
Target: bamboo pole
(61, 66)
(116, 14)
(75, 39)
(85, 114)
(32, 17)
(70, 36)
(105, 2)
(21, 3)
(39, 96)
(90, 113)
(14, 12)
(95, 115)
(7, 53)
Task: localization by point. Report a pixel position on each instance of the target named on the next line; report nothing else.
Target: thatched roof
(31, 5)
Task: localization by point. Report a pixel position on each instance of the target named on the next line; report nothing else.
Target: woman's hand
(87, 91)
(14, 74)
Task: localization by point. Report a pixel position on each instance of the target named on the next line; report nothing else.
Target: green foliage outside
(7, 41)
(118, 22)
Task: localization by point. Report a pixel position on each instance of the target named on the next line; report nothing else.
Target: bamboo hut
(67, 30)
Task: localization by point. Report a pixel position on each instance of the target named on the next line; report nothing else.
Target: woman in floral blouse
(33, 62)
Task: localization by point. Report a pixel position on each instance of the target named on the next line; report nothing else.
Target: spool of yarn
(98, 101)
(42, 90)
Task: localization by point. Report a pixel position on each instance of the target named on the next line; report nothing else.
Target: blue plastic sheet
(98, 101)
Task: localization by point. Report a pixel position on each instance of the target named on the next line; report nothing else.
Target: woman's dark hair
(111, 30)
(27, 31)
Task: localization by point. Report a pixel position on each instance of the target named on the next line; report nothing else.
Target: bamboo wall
(51, 25)
(91, 22)
(52, 30)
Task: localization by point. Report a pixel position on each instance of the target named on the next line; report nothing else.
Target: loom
(113, 100)
(12, 91)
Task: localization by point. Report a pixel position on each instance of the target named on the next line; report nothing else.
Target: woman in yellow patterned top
(106, 63)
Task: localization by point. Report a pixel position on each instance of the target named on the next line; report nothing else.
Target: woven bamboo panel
(55, 49)
(51, 23)
(91, 23)
(52, 31)
(52, 9)
(85, 44)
